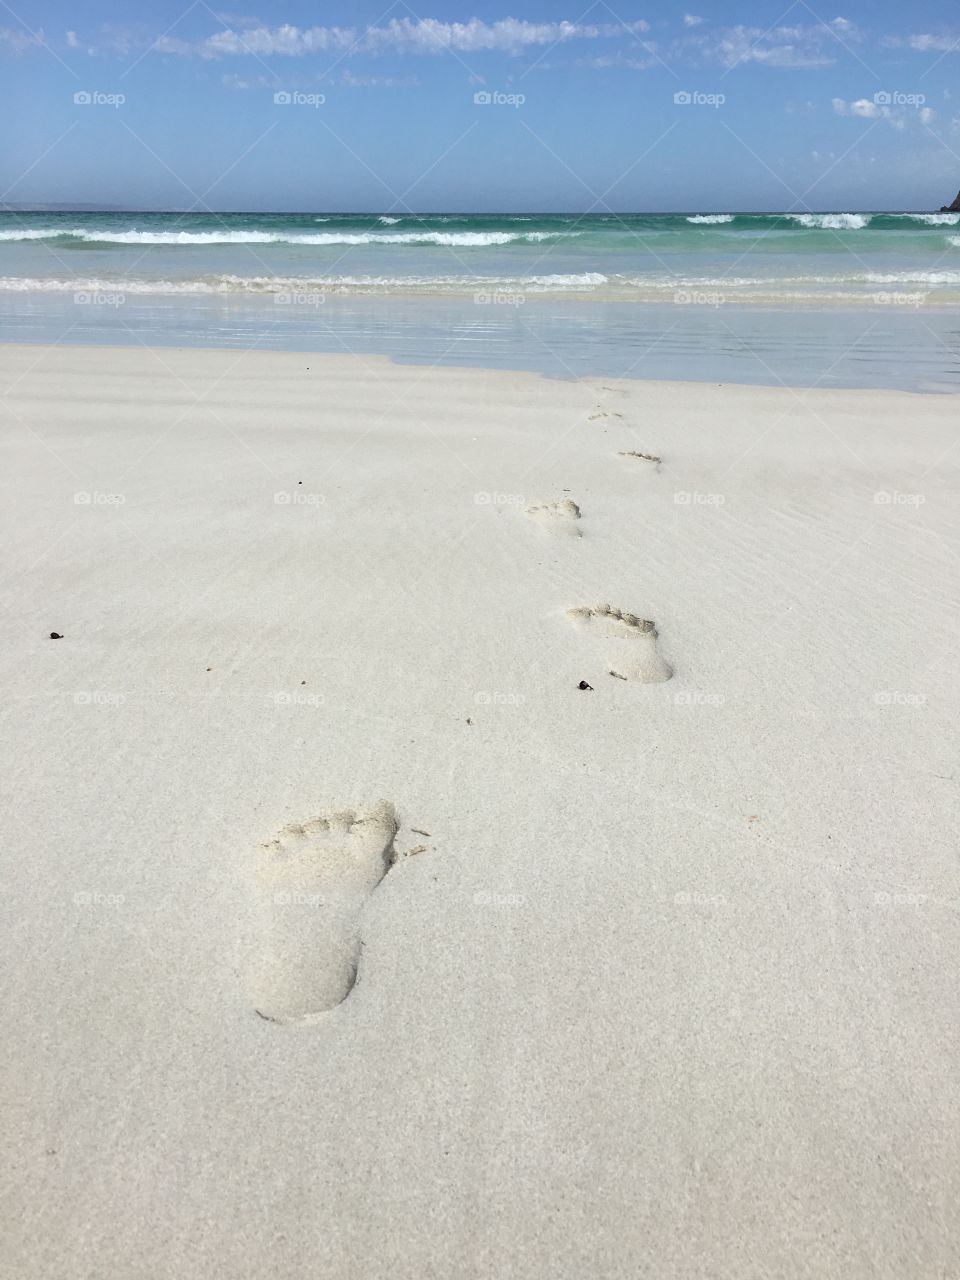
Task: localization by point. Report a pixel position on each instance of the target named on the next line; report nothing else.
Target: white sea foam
(583, 280)
(812, 283)
(931, 219)
(453, 239)
(915, 277)
(388, 221)
(595, 284)
(50, 284)
(299, 285)
(832, 221)
(21, 233)
(710, 217)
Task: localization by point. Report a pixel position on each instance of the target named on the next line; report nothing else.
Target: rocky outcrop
(951, 208)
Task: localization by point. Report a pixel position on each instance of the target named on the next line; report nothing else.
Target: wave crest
(832, 221)
(931, 219)
(452, 239)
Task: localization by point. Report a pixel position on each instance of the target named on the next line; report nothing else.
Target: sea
(831, 299)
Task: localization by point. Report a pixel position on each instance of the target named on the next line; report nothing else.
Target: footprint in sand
(557, 517)
(599, 413)
(644, 457)
(637, 656)
(312, 881)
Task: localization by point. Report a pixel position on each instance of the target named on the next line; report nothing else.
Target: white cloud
(934, 44)
(400, 35)
(797, 47)
(895, 116)
(863, 107)
(19, 41)
(286, 40)
(605, 61)
(346, 78)
(923, 43)
(122, 42)
(691, 20)
(350, 81)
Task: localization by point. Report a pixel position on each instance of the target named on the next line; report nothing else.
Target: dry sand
(670, 986)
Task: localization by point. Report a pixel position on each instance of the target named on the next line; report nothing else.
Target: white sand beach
(663, 975)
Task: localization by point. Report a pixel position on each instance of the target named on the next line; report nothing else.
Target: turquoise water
(848, 298)
(788, 257)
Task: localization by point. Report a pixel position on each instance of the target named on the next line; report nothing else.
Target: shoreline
(507, 292)
(364, 358)
(584, 380)
(889, 347)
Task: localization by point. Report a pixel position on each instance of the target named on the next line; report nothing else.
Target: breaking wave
(832, 221)
(453, 239)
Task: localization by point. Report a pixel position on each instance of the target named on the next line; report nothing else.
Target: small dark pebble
(55, 635)
(469, 721)
(583, 685)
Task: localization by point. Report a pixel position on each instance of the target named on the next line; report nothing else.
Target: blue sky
(790, 106)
